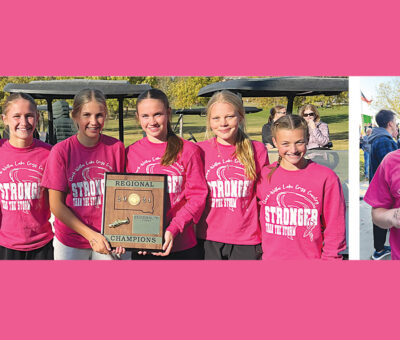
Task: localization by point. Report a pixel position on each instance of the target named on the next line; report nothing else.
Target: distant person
(275, 113)
(382, 143)
(64, 126)
(318, 130)
(366, 148)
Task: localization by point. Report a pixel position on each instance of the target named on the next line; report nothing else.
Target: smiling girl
(25, 230)
(302, 212)
(229, 228)
(74, 176)
(163, 152)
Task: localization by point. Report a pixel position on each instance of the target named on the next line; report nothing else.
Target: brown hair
(174, 143)
(273, 112)
(18, 95)
(244, 149)
(312, 108)
(288, 122)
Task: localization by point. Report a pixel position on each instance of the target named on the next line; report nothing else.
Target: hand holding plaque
(133, 210)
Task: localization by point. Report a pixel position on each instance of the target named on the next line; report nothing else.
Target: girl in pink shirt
(302, 213)
(229, 228)
(25, 230)
(75, 178)
(162, 152)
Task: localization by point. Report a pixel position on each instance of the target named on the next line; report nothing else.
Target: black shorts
(188, 254)
(44, 253)
(224, 251)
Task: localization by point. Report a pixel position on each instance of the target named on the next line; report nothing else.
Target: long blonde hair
(288, 122)
(244, 149)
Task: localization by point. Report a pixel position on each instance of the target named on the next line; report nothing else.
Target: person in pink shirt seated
(302, 208)
(25, 230)
(229, 228)
(74, 176)
(383, 196)
(163, 152)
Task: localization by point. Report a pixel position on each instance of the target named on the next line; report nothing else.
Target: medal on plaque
(133, 210)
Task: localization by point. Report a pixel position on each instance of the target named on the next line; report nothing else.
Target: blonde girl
(25, 230)
(302, 208)
(74, 176)
(229, 228)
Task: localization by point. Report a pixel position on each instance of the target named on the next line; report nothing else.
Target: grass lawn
(337, 118)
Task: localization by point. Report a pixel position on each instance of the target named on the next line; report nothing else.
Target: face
(91, 120)
(153, 117)
(21, 117)
(309, 115)
(280, 113)
(224, 122)
(291, 146)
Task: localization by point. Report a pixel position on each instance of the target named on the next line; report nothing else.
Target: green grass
(336, 117)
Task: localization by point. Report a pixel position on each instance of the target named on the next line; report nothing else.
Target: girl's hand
(99, 243)
(119, 251)
(167, 246)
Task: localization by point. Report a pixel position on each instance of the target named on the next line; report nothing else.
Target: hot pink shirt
(25, 208)
(231, 214)
(79, 171)
(302, 213)
(187, 188)
(384, 192)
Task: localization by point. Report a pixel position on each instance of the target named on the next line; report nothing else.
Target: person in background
(366, 147)
(318, 130)
(275, 113)
(382, 140)
(64, 126)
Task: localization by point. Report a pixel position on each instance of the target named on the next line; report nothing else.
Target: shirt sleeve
(196, 192)
(54, 176)
(378, 194)
(333, 220)
(321, 134)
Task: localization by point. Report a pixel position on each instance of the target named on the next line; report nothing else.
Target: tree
(388, 96)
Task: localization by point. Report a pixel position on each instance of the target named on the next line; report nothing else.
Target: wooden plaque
(133, 210)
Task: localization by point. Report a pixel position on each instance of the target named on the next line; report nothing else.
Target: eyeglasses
(312, 114)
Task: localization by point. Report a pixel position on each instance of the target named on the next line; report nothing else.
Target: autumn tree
(388, 96)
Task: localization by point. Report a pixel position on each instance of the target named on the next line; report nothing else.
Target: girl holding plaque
(25, 230)
(229, 228)
(302, 208)
(75, 176)
(163, 152)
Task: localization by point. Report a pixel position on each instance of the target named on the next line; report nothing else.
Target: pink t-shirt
(302, 213)
(187, 188)
(231, 213)
(384, 192)
(79, 171)
(25, 208)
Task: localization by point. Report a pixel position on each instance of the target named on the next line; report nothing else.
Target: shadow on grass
(335, 118)
(339, 135)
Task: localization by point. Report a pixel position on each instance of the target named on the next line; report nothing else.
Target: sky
(368, 86)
